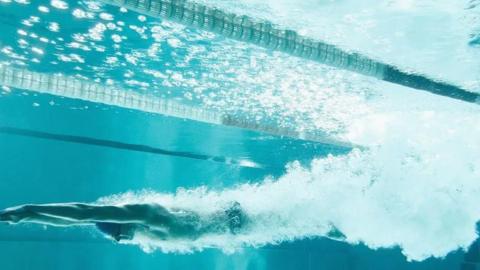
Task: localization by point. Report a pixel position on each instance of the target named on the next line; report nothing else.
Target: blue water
(36, 170)
(43, 171)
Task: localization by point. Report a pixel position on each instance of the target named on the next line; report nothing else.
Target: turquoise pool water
(398, 178)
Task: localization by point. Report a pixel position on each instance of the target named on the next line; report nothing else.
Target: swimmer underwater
(124, 222)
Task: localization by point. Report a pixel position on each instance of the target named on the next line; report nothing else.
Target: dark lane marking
(123, 146)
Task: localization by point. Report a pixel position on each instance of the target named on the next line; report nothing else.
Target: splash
(417, 184)
(416, 187)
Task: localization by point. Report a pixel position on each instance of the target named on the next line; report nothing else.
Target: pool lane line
(267, 35)
(126, 146)
(84, 89)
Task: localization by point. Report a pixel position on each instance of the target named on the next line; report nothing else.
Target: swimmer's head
(117, 231)
(236, 217)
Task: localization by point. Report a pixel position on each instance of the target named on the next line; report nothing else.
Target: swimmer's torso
(163, 224)
(123, 222)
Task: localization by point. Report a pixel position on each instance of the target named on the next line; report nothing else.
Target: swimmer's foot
(236, 217)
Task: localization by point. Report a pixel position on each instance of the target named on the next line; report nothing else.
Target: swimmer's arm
(18, 214)
(79, 213)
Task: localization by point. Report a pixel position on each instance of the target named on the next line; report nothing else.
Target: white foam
(417, 188)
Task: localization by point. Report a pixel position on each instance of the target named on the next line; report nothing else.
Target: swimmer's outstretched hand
(13, 215)
(3, 216)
